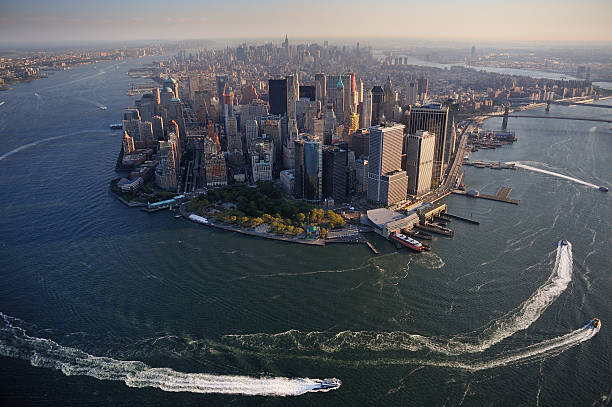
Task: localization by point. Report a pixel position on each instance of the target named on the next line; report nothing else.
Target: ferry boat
(327, 384)
(409, 242)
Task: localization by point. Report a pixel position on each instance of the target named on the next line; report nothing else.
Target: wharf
(475, 222)
(502, 195)
(371, 246)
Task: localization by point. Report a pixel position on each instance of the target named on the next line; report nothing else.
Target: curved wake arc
(520, 318)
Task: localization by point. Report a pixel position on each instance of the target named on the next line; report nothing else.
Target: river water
(95, 295)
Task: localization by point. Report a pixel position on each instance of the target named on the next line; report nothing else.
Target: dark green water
(496, 320)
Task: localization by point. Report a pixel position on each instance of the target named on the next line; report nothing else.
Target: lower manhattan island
(280, 221)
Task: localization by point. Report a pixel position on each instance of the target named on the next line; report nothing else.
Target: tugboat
(603, 189)
(327, 384)
(409, 242)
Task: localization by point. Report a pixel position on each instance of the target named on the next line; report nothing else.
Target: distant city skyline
(472, 20)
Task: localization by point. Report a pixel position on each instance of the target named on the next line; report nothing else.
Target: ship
(409, 242)
(563, 242)
(603, 189)
(417, 234)
(117, 126)
(595, 324)
(327, 384)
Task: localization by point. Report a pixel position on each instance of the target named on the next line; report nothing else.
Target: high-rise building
(222, 80)
(293, 94)
(336, 172)
(308, 91)
(378, 96)
(289, 144)
(277, 92)
(366, 110)
(339, 101)
(412, 93)
(388, 99)
(216, 170)
(387, 183)
(166, 172)
(431, 118)
(127, 144)
(360, 142)
(271, 126)
(320, 90)
(252, 131)
(308, 169)
(361, 178)
(419, 161)
(262, 160)
(473, 56)
(422, 87)
(329, 123)
(158, 127)
(234, 138)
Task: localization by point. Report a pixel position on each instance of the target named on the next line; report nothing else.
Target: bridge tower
(505, 121)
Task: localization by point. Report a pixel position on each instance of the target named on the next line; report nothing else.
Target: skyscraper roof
(340, 84)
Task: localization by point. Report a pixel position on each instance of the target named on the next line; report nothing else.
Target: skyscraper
(412, 93)
(339, 101)
(278, 96)
(262, 160)
(387, 183)
(377, 105)
(293, 94)
(221, 82)
(366, 110)
(336, 172)
(320, 90)
(431, 118)
(308, 169)
(419, 161)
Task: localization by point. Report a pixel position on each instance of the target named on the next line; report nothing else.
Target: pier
(472, 221)
(371, 246)
(502, 195)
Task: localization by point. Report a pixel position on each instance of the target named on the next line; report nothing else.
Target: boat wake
(37, 142)
(42, 352)
(533, 353)
(518, 164)
(496, 331)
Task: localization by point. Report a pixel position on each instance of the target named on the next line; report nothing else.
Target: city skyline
(68, 20)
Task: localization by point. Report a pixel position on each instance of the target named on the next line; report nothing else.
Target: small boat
(603, 189)
(178, 216)
(563, 242)
(327, 384)
(595, 323)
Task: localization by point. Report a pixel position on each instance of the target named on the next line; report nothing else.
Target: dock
(502, 195)
(371, 246)
(472, 221)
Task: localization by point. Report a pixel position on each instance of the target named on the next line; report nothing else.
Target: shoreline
(316, 242)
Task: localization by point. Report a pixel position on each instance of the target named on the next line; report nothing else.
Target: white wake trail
(41, 352)
(554, 174)
(45, 140)
(518, 319)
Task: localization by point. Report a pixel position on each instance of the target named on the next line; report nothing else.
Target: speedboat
(327, 384)
(603, 189)
(595, 323)
(563, 242)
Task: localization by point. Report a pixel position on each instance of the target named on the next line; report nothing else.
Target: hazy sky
(493, 20)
